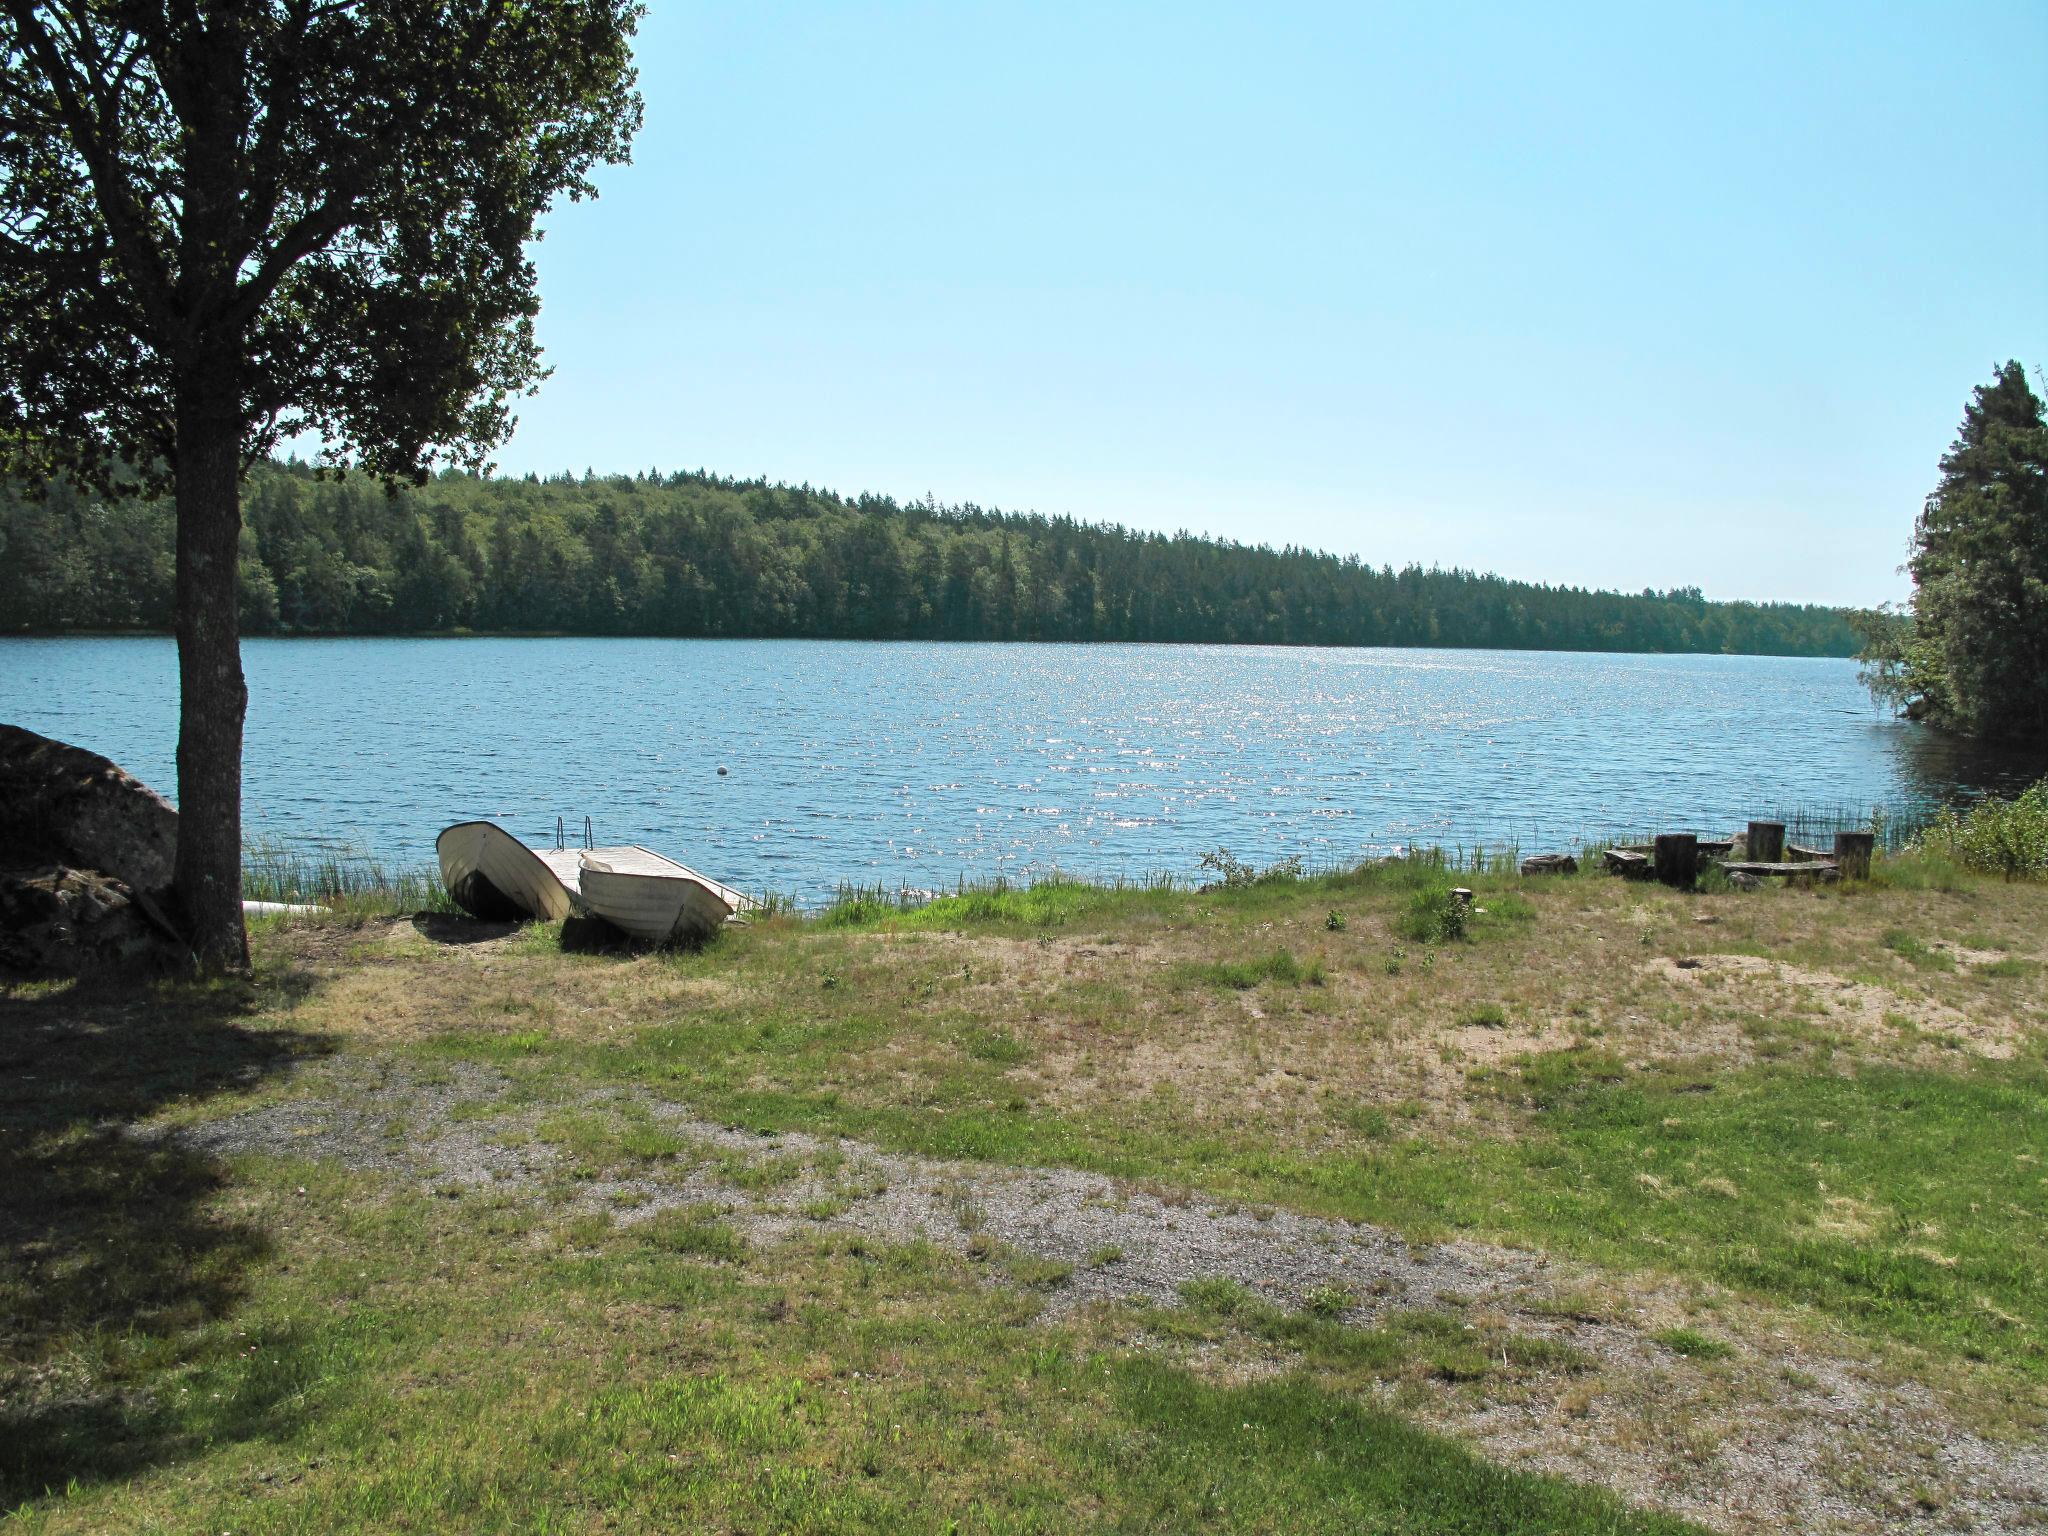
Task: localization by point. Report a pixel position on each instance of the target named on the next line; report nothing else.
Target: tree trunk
(212, 695)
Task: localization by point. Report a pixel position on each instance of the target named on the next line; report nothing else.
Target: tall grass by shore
(344, 878)
(2006, 837)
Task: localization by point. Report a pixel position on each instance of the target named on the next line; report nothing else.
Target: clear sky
(1621, 297)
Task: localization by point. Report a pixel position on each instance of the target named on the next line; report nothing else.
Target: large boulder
(61, 804)
(77, 922)
(86, 849)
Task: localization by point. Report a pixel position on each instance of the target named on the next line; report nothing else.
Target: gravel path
(1776, 1437)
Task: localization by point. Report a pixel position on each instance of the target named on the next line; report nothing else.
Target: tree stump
(1627, 863)
(1852, 854)
(1766, 842)
(1550, 864)
(1678, 859)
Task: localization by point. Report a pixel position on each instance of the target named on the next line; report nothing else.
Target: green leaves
(1973, 655)
(330, 204)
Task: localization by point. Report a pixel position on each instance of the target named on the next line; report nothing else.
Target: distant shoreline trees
(697, 555)
(1971, 653)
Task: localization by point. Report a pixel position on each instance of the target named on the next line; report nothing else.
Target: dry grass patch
(1874, 1015)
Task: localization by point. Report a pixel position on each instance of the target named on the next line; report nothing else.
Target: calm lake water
(917, 764)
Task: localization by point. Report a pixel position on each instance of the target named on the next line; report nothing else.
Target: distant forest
(701, 555)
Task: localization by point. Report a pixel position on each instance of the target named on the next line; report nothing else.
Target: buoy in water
(721, 770)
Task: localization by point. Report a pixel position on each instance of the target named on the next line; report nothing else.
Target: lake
(915, 765)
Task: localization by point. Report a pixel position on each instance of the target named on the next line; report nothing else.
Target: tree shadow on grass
(109, 1242)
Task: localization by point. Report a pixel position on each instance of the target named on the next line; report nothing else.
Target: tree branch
(141, 261)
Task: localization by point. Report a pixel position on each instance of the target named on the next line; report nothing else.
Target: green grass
(1434, 916)
(696, 1231)
(1279, 967)
(1918, 1147)
(1444, 1345)
(263, 1346)
(1861, 1196)
(659, 1376)
(1693, 1344)
(345, 879)
(1053, 902)
(1916, 952)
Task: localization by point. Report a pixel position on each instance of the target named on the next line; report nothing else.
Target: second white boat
(653, 898)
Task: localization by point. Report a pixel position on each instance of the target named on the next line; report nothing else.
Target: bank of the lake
(1138, 1209)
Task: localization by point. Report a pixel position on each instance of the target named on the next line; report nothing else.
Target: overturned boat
(491, 874)
(653, 898)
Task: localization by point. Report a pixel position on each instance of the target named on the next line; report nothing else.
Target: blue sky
(1622, 297)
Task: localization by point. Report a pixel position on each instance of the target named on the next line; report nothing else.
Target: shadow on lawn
(109, 1243)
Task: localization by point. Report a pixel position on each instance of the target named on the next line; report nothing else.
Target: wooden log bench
(1805, 869)
(1627, 863)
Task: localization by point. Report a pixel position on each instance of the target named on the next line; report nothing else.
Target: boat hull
(490, 874)
(657, 905)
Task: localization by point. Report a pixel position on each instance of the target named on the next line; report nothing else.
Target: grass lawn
(429, 1228)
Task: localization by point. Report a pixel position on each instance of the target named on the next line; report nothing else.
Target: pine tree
(1973, 656)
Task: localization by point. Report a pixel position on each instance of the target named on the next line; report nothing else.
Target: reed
(342, 877)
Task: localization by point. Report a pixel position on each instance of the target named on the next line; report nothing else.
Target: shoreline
(947, 640)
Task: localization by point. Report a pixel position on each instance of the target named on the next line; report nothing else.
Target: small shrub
(1334, 921)
(1233, 874)
(1236, 875)
(1995, 836)
(1330, 1301)
(1218, 1294)
(1486, 1016)
(1434, 916)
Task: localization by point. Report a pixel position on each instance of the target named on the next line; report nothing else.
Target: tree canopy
(1971, 654)
(227, 222)
(328, 200)
(696, 554)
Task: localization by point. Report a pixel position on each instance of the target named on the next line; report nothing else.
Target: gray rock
(73, 922)
(61, 804)
(1743, 880)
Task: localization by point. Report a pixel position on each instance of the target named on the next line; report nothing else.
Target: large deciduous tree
(226, 223)
(1972, 655)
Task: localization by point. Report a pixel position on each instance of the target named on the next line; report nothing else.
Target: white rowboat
(654, 898)
(491, 874)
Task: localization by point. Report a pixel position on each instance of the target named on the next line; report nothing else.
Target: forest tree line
(703, 555)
